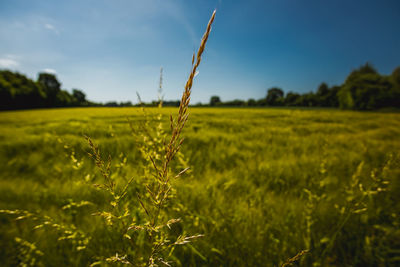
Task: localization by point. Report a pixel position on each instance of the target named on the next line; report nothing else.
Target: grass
(142, 241)
(264, 184)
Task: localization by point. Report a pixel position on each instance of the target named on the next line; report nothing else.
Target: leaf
(217, 251)
(360, 210)
(38, 226)
(197, 252)
(324, 240)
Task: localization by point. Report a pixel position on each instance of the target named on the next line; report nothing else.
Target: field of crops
(263, 185)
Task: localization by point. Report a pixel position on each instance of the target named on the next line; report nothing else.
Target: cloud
(51, 27)
(8, 63)
(50, 71)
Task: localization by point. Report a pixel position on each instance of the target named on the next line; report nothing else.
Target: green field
(263, 185)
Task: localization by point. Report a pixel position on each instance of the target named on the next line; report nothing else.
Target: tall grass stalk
(141, 242)
(159, 185)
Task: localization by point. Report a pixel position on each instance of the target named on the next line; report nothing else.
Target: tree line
(363, 89)
(19, 92)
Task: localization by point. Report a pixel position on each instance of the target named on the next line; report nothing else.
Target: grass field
(263, 185)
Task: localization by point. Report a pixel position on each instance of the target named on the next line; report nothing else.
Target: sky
(112, 49)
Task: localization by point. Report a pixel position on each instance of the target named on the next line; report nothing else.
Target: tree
(51, 87)
(49, 81)
(367, 68)
(262, 102)
(19, 92)
(308, 100)
(63, 99)
(6, 94)
(275, 96)
(366, 89)
(79, 96)
(234, 103)
(395, 93)
(126, 104)
(323, 89)
(292, 99)
(215, 100)
(332, 97)
(251, 102)
(396, 76)
(322, 93)
(111, 104)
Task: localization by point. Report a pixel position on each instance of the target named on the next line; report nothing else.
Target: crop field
(263, 185)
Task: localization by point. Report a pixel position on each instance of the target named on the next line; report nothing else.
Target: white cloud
(51, 27)
(50, 71)
(11, 56)
(8, 63)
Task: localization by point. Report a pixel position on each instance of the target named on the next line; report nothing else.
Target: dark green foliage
(166, 103)
(365, 89)
(332, 98)
(171, 103)
(233, 103)
(52, 88)
(275, 96)
(292, 99)
(251, 102)
(214, 100)
(323, 95)
(111, 104)
(80, 97)
(19, 92)
(396, 77)
(308, 100)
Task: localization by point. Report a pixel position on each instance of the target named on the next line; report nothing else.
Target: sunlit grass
(245, 192)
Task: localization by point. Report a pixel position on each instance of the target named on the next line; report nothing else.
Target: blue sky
(113, 49)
